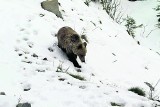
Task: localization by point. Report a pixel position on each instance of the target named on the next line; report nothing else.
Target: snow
(143, 12)
(30, 57)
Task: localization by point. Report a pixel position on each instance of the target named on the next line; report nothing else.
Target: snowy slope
(30, 57)
(143, 12)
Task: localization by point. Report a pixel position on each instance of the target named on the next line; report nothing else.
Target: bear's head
(79, 47)
(81, 51)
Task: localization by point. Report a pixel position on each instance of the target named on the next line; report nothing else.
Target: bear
(71, 43)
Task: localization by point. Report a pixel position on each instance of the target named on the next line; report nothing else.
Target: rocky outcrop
(24, 105)
(52, 6)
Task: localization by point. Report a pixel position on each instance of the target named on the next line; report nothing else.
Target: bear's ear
(85, 44)
(74, 38)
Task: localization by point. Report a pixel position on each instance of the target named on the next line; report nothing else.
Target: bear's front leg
(72, 57)
(63, 49)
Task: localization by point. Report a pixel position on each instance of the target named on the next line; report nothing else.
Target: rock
(61, 79)
(79, 70)
(40, 70)
(45, 59)
(29, 62)
(20, 54)
(132, 0)
(23, 105)
(34, 55)
(2, 93)
(98, 86)
(27, 89)
(92, 74)
(52, 6)
(82, 87)
(41, 15)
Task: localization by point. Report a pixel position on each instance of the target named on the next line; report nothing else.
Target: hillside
(144, 13)
(30, 58)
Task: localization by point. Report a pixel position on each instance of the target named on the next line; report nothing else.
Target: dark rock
(45, 59)
(29, 62)
(61, 79)
(23, 105)
(81, 19)
(100, 22)
(69, 83)
(40, 70)
(98, 86)
(132, 0)
(41, 15)
(20, 54)
(92, 74)
(82, 87)
(2, 93)
(30, 46)
(63, 11)
(114, 54)
(79, 70)
(34, 55)
(27, 89)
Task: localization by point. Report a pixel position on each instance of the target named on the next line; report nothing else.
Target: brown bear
(71, 43)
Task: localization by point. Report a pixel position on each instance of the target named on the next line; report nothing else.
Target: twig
(144, 28)
(96, 28)
(151, 32)
(157, 83)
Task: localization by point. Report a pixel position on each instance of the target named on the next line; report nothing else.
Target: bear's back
(66, 31)
(64, 36)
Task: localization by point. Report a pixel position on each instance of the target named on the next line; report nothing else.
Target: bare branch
(151, 32)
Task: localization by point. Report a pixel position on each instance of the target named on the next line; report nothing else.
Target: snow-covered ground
(30, 57)
(143, 12)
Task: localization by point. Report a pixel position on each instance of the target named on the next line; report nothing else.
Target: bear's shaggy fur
(71, 43)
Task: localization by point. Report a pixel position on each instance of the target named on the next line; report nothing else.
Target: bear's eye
(79, 46)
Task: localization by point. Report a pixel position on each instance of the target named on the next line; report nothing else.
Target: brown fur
(71, 43)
